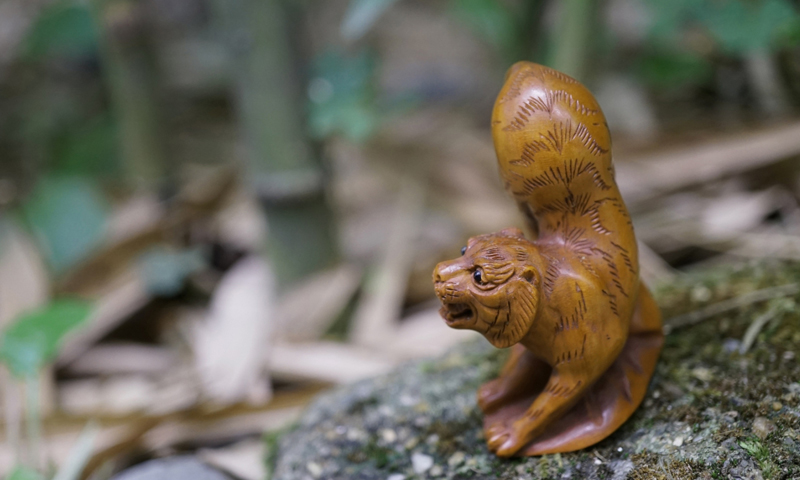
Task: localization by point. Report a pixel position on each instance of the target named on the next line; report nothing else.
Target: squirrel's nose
(444, 271)
(437, 274)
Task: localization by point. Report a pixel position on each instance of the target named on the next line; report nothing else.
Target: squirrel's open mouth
(457, 315)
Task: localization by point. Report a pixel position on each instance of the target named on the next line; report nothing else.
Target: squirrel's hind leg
(563, 390)
(615, 396)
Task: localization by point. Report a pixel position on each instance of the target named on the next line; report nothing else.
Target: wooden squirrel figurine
(585, 331)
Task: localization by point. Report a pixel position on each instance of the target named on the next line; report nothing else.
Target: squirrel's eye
(463, 250)
(477, 275)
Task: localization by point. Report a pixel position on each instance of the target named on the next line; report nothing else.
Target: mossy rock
(710, 413)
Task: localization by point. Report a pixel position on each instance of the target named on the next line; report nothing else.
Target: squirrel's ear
(528, 273)
(512, 232)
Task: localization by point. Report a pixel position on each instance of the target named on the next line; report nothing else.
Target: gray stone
(701, 394)
(762, 427)
(173, 468)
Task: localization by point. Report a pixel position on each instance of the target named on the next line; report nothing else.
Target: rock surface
(173, 468)
(711, 412)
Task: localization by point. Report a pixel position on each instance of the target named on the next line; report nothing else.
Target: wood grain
(585, 331)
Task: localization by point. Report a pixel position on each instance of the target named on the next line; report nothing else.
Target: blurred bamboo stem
(284, 168)
(762, 70)
(33, 421)
(533, 15)
(131, 78)
(13, 414)
(572, 38)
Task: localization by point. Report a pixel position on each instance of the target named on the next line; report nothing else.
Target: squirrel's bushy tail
(551, 140)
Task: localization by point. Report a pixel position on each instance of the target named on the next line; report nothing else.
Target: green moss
(696, 421)
(761, 454)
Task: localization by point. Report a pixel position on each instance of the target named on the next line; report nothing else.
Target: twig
(756, 296)
(654, 174)
(755, 327)
(376, 317)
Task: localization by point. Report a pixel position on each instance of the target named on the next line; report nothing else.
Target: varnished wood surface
(585, 331)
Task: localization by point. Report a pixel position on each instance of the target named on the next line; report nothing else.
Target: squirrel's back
(554, 151)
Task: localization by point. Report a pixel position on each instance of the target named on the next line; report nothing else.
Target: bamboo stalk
(572, 39)
(283, 166)
(129, 68)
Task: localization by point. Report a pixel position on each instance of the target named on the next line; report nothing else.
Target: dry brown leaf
(244, 459)
(425, 334)
(115, 358)
(653, 174)
(331, 362)
(230, 345)
(304, 320)
(24, 282)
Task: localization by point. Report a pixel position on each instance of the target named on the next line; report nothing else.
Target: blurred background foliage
(141, 106)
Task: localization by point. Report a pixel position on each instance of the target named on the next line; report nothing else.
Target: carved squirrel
(585, 331)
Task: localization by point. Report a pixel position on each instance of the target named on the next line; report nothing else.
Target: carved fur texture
(585, 332)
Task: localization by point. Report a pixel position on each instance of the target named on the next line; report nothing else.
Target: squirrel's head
(493, 288)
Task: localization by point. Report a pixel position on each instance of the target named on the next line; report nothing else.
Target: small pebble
(411, 443)
(762, 427)
(422, 407)
(678, 441)
(386, 410)
(422, 422)
(731, 345)
(421, 463)
(597, 461)
(388, 435)
(314, 469)
(701, 293)
(788, 355)
(703, 374)
(777, 406)
(355, 434)
(456, 459)
(436, 471)
(396, 476)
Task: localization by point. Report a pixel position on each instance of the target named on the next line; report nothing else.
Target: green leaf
(33, 340)
(64, 28)
(68, 217)
(361, 16)
(674, 70)
(22, 473)
(491, 19)
(741, 26)
(89, 148)
(670, 18)
(342, 95)
(738, 26)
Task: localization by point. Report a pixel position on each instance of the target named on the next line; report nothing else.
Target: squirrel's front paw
(505, 440)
